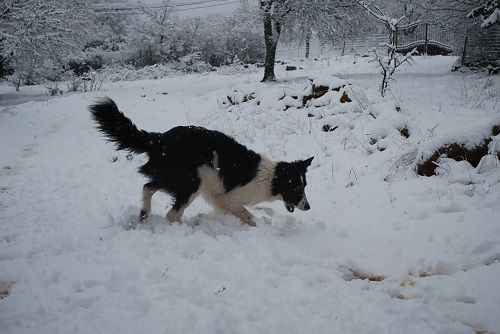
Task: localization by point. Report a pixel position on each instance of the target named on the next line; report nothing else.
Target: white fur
(303, 203)
(256, 191)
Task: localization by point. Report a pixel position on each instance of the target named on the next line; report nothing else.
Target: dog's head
(290, 181)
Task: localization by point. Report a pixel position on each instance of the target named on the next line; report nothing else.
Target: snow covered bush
(92, 82)
(36, 35)
(216, 40)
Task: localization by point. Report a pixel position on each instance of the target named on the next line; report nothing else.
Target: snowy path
(73, 265)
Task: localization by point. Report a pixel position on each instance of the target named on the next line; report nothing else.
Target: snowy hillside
(382, 250)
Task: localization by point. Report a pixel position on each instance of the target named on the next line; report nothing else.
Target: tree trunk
(271, 35)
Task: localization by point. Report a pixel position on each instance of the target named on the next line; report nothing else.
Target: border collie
(189, 160)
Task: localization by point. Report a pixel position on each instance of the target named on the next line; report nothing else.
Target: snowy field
(382, 250)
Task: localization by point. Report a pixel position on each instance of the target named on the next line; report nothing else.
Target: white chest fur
(256, 191)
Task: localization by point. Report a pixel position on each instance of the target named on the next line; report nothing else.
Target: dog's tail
(119, 129)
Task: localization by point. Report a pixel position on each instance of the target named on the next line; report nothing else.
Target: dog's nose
(306, 207)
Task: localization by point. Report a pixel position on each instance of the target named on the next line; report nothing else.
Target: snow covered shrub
(53, 88)
(73, 82)
(480, 94)
(24, 71)
(193, 63)
(80, 65)
(237, 97)
(231, 38)
(5, 69)
(36, 34)
(213, 53)
(92, 82)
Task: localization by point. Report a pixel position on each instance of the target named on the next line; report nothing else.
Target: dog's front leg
(245, 216)
(238, 210)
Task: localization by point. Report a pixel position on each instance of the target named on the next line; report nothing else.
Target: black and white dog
(188, 160)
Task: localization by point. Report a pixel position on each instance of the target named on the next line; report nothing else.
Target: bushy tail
(119, 129)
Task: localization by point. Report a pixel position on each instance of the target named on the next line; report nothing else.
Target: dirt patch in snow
(5, 288)
(320, 90)
(458, 152)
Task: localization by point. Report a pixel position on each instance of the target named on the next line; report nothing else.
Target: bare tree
(392, 61)
(273, 13)
(307, 15)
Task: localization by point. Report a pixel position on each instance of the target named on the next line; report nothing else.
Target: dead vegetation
(355, 274)
(232, 101)
(404, 132)
(5, 288)
(329, 128)
(318, 91)
(345, 98)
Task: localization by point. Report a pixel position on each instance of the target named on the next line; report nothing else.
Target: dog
(187, 161)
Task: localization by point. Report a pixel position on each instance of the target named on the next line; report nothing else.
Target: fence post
(396, 38)
(343, 48)
(465, 47)
(425, 43)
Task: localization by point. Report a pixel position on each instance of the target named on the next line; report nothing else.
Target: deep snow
(69, 201)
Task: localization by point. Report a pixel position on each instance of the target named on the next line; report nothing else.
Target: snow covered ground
(382, 250)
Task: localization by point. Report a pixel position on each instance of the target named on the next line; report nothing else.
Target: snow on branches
(36, 35)
(389, 63)
(489, 12)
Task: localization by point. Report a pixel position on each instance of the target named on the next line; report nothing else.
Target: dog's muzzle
(302, 205)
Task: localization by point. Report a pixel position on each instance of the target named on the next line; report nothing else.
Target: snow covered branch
(389, 64)
(489, 12)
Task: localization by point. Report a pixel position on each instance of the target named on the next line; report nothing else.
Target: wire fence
(428, 39)
(482, 46)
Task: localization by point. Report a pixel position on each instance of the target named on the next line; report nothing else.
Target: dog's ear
(306, 163)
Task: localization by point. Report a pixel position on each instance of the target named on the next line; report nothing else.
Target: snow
(493, 18)
(69, 202)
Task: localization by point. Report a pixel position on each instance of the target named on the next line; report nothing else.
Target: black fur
(175, 155)
(287, 181)
(120, 130)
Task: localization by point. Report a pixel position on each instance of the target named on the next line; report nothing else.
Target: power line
(135, 8)
(183, 4)
(215, 5)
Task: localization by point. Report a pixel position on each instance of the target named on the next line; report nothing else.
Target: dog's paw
(143, 216)
(251, 222)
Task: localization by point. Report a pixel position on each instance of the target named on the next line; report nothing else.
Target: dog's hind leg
(181, 203)
(147, 192)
